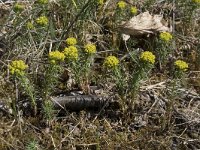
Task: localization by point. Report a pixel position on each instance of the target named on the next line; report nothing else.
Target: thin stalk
(29, 91)
(14, 102)
(74, 3)
(173, 26)
(120, 81)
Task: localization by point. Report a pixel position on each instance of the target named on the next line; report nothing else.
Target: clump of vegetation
(60, 56)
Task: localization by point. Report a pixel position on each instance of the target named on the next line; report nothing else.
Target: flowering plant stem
(76, 71)
(50, 79)
(86, 73)
(50, 82)
(175, 83)
(119, 80)
(25, 83)
(81, 72)
(135, 83)
(169, 106)
(137, 77)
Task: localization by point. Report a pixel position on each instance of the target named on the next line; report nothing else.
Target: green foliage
(46, 31)
(48, 110)
(46, 25)
(32, 145)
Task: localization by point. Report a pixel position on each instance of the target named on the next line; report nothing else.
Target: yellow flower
(42, 1)
(71, 53)
(29, 26)
(111, 62)
(121, 4)
(148, 57)
(19, 64)
(18, 7)
(165, 36)
(43, 20)
(17, 67)
(90, 48)
(71, 41)
(182, 65)
(196, 1)
(134, 10)
(56, 56)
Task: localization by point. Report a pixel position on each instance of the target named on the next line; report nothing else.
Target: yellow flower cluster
(196, 1)
(42, 21)
(29, 26)
(182, 65)
(71, 41)
(42, 1)
(90, 48)
(148, 57)
(165, 36)
(111, 62)
(134, 10)
(17, 67)
(56, 57)
(121, 4)
(18, 7)
(71, 53)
